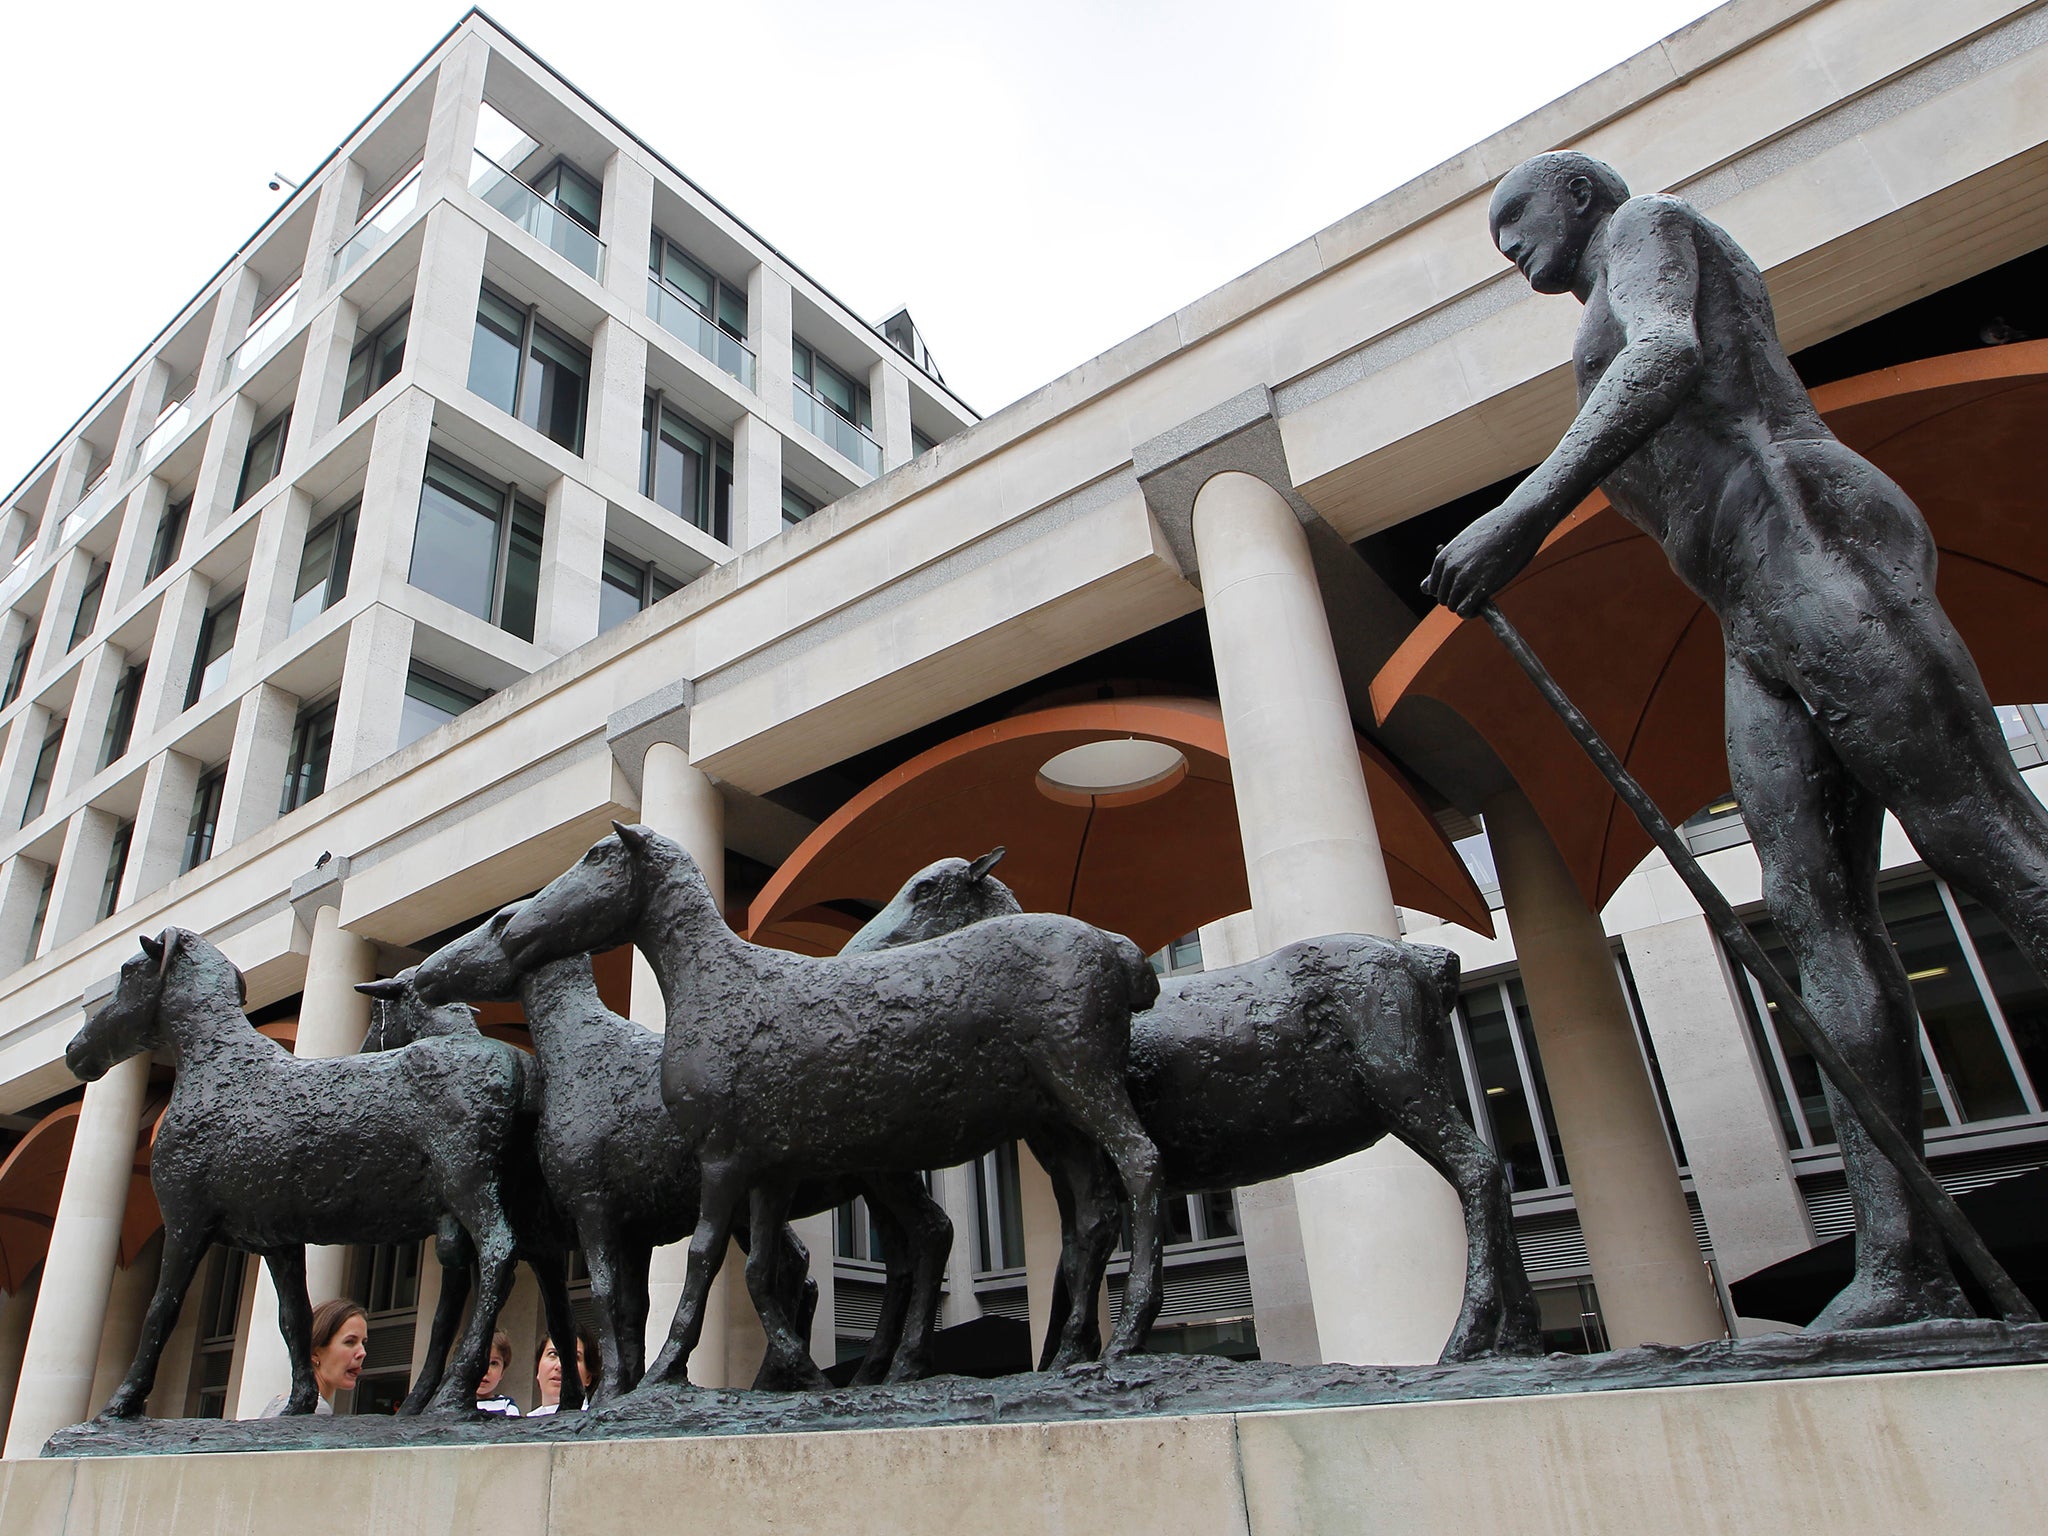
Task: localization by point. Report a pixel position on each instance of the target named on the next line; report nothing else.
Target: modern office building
(437, 531)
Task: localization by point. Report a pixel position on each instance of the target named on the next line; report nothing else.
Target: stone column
(889, 389)
(373, 671)
(1382, 1237)
(955, 1191)
(626, 219)
(256, 764)
(757, 483)
(127, 1301)
(71, 1302)
(770, 333)
(81, 876)
(316, 408)
(571, 558)
(156, 847)
(1040, 1213)
(618, 395)
(451, 127)
(16, 1308)
(680, 801)
(1654, 1286)
(333, 1018)
(1734, 1144)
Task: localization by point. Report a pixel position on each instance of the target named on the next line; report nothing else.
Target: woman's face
(338, 1362)
(548, 1374)
(493, 1374)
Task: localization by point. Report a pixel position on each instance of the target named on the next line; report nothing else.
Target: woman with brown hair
(341, 1337)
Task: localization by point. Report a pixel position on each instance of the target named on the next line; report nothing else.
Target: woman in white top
(341, 1338)
(547, 1370)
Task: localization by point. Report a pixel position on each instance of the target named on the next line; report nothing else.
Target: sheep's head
(938, 899)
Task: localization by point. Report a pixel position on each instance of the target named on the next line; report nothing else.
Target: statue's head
(1547, 209)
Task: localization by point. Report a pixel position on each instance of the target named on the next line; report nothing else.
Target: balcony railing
(679, 317)
(377, 224)
(173, 420)
(820, 420)
(533, 213)
(267, 328)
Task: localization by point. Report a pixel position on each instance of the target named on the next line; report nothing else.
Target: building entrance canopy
(1152, 862)
(1641, 655)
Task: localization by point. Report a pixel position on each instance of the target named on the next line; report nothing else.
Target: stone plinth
(1909, 1451)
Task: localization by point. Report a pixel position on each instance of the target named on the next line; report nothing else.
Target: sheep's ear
(502, 918)
(634, 838)
(167, 945)
(154, 948)
(389, 988)
(986, 862)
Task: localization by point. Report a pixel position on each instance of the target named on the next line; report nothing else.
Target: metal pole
(1920, 1181)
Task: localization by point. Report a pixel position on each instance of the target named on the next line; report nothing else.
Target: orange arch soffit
(1154, 868)
(32, 1182)
(1641, 655)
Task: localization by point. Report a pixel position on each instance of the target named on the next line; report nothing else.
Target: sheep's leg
(551, 1273)
(1498, 1316)
(491, 1233)
(927, 1234)
(183, 1249)
(1087, 1083)
(635, 1260)
(295, 1322)
(717, 1205)
(789, 1356)
(452, 1252)
(797, 1294)
(1085, 1187)
(601, 1253)
(897, 1262)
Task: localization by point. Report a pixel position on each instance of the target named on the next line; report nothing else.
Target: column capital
(1241, 434)
(319, 887)
(661, 716)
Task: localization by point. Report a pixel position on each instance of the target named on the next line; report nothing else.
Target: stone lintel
(663, 715)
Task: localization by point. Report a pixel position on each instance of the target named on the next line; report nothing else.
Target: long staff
(1925, 1189)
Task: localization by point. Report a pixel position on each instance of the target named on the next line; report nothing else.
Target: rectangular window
(121, 717)
(305, 775)
(216, 649)
(17, 670)
(323, 567)
(205, 818)
(846, 396)
(795, 507)
(117, 869)
(833, 406)
(572, 192)
(264, 456)
(43, 894)
(432, 699)
(375, 363)
(999, 1202)
(170, 534)
(685, 469)
(629, 586)
(691, 302)
(45, 771)
(88, 605)
(478, 546)
(528, 370)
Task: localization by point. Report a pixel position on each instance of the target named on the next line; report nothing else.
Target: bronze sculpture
(1848, 690)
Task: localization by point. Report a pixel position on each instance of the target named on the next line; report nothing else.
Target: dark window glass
(88, 605)
(553, 390)
(121, 718)
(432, 700)
(265, 453)
(572, 192)
(45, 771)
(1974, 1070)
(117, 867)
(629, 585)
(216, 649)
(2022, 994)
(721, 302)
(305, 775)
(521, 597)
(17, 670)
(43, 892)
(841, 391)
(494, 355)
(795, 507)
(455, 546)
(170, 533)
(205, 819)
(1500, 1081)
(323, 568)
(1000, 1203)
(375, 363)
(685, 469)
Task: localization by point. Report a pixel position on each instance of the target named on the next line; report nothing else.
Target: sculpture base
(1893, 1452)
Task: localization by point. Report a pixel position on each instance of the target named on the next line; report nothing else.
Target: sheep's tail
(1138, 972)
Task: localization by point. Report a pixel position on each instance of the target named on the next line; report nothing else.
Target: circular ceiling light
(1112, 773)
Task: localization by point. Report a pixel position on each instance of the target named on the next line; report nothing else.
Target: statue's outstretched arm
(1652, 290)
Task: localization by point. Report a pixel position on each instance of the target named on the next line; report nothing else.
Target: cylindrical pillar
(1382, 1236)
(680, 801)
(1039, 1214)
(333, 1018)
(71, 1302)
(1653, 1284)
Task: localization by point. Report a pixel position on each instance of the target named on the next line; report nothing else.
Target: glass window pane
(1965, 1045)
(522, 571)
(455, 547)
(316, 562)
(552, 399)
(356, 388)
(1500, 1081)
(1535, 1059)
(1806, 1078)
(732, 311)
(494, 354)
(2021, 993)
(428, 703)
(574, 193)
(216, 648)
(687, 278)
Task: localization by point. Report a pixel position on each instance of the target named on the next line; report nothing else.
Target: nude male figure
(1848, 691)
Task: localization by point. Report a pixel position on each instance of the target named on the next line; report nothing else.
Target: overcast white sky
(1037, 180)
